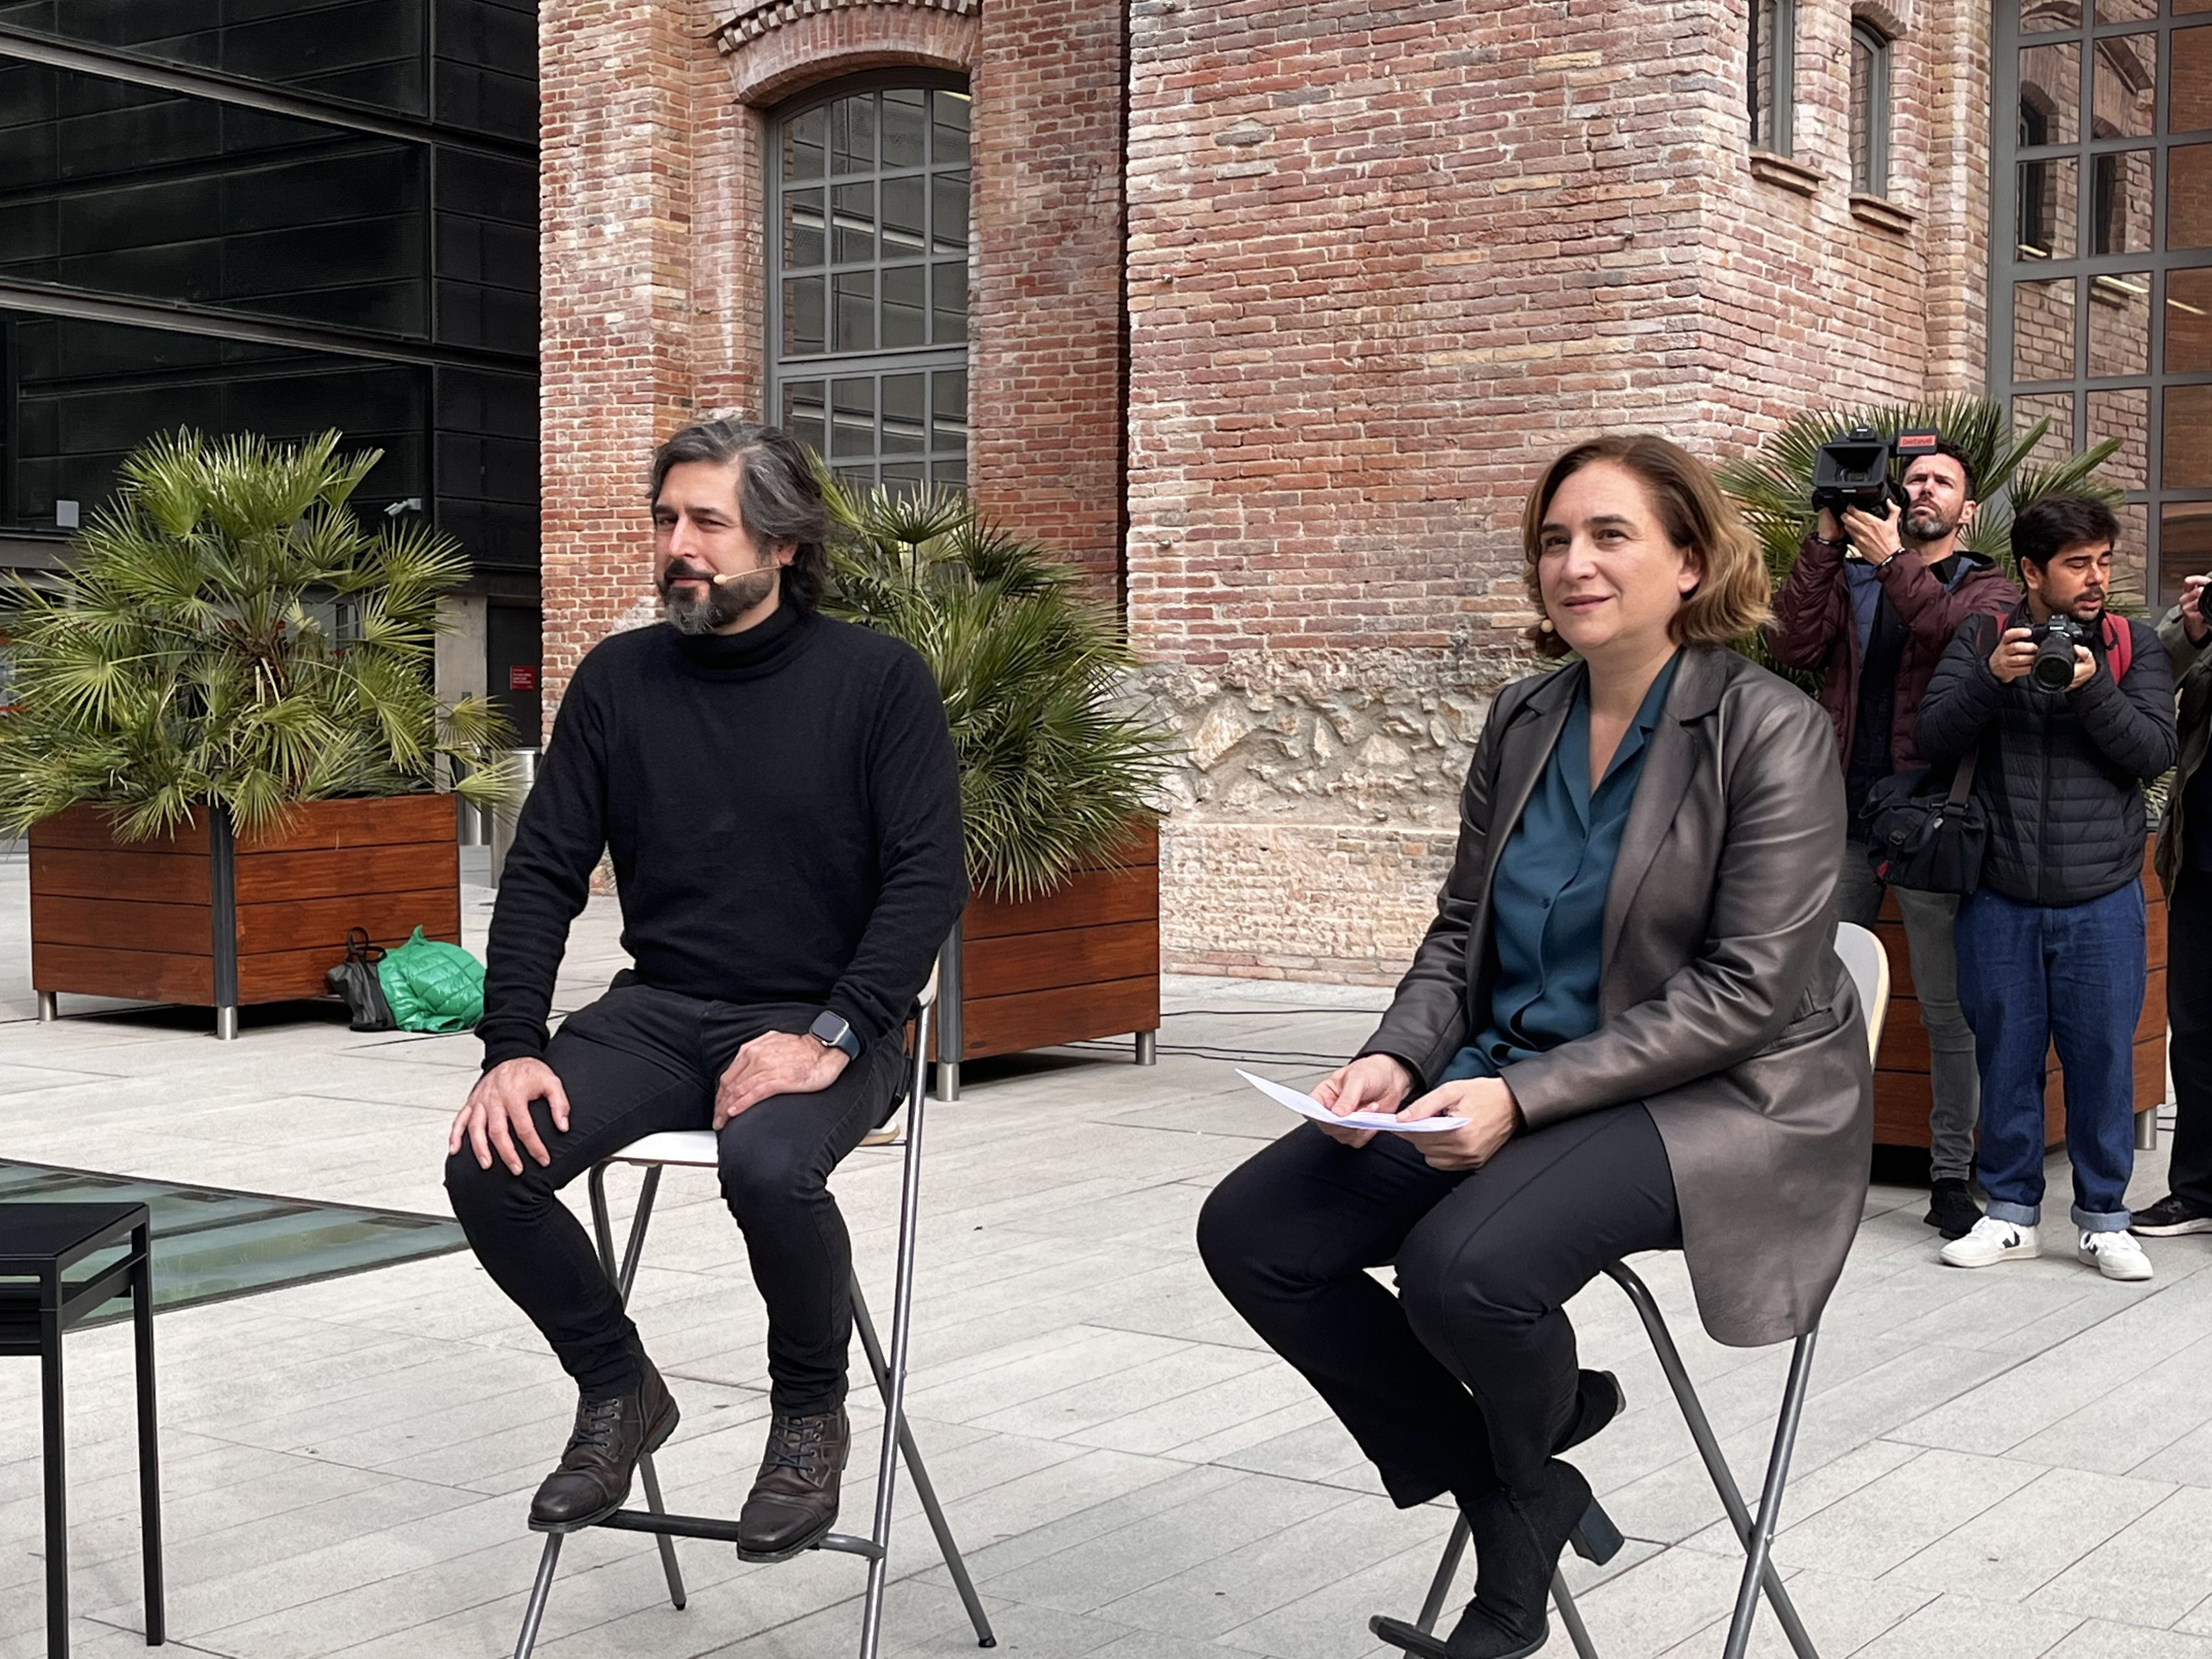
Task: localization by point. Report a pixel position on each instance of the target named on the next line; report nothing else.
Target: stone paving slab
(2007, 1464)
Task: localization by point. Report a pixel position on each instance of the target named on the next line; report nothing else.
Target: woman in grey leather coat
(1631, 995)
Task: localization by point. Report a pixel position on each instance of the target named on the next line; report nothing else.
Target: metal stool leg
(543, 1588)
(1432, 1605)
(1757, 1566)
(1701, 1431)
(955, 1563)
(624, 1276)
(149, 1450)
(871, 1607)
(1571, 1616)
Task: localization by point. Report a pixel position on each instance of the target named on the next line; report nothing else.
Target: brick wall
(616, 86)
(1384, 261)
(1045, 381)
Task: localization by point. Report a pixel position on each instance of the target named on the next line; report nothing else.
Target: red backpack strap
(2119, 646)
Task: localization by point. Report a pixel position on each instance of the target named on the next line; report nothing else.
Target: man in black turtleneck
(779, 794)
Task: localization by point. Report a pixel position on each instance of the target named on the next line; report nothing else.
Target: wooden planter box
(1079, 962)
(198, 920)
(1901, 1087)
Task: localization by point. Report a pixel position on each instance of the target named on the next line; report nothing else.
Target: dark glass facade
(280, 217)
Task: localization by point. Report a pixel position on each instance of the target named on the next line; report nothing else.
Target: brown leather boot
(593, 1475)
(794, 1500)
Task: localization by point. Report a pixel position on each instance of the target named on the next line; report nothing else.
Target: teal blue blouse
(1547, 898)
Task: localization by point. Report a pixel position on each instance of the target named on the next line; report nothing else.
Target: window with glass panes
(868, 263)
(2100, 297)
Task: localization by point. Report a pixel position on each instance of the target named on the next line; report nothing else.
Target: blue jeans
(2031, 976)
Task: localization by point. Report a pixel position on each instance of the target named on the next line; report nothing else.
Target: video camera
(1854, 471)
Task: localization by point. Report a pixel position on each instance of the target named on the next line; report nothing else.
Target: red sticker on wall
(522, 677)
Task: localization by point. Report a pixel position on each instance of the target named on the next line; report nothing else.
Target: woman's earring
(1545, 626)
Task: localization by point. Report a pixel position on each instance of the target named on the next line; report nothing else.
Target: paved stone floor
(2003, 1464)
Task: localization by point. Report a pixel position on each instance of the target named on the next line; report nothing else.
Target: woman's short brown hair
(1730, 598)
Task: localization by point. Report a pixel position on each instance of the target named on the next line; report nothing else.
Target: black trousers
(2189, 1013)
(1467, 1377)
(640, 1060)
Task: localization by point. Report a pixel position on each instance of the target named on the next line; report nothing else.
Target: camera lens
(2053, 667)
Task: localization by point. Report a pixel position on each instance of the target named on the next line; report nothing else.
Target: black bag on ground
(1925, 837)
(355, 982)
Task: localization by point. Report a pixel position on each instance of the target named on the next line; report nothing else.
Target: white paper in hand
(1307, 1106)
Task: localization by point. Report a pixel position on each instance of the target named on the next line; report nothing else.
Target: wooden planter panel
(138, 922)
(1079, 962)
(1901, 1089)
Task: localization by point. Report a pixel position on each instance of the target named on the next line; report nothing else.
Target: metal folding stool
(1869, 970)
(696, 1148)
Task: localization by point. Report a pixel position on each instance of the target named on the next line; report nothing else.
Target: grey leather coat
(1724, 1007)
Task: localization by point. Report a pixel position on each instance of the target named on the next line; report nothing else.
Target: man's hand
(1492, 1116)
(497, 1116)
(1372, 1082)
(2084, 666)
(1873, 539)
(776, 1063)
(2193, 620)
(2015, 655)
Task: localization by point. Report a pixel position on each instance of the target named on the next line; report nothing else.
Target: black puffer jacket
(2062, 782)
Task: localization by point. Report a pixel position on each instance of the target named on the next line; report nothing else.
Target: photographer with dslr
(1872, 602)
(2069, 710)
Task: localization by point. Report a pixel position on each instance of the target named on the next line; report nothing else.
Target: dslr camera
(1854, 471)
(2053, 667)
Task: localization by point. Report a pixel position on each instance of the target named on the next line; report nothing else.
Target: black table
(43, 1243)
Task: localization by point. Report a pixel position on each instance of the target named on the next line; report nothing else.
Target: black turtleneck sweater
(783, 808)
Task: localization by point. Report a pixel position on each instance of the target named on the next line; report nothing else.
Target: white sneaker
(1990, 1242)
(2116, 1255)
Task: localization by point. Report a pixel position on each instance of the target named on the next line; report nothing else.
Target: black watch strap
(834, 1032)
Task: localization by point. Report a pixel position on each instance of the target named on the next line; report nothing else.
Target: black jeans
(1467, 1377)
(640, 1060)
(2189, 1016)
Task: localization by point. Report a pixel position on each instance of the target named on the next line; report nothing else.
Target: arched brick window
(868, 262)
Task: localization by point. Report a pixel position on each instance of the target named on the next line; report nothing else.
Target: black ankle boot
(1518, 1537)
(593, 1475)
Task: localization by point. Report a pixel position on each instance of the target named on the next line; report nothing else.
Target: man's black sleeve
(547, 878)
(913, 790)
(2132, 723)
(1961, 699)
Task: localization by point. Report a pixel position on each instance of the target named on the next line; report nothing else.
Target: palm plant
(1051, 774)
(230, 636)
(1773, 489)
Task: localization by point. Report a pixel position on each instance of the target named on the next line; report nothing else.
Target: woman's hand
(1492, 1114)
(1372, 1082)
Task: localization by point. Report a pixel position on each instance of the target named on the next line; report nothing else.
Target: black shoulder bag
(1928, 840)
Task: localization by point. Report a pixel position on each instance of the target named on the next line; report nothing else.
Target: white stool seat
(694, 1148)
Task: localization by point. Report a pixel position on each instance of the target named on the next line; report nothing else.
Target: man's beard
(1927, 524)
(725, 603)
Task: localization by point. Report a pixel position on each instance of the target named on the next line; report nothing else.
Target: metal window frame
(1876, 182)
(781, 369)
(2007, 267)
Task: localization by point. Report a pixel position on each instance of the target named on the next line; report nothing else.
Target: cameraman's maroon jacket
(1813, 628)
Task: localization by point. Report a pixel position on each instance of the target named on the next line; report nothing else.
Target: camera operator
(2070, 710)
(2185, 868)
(1872, 602)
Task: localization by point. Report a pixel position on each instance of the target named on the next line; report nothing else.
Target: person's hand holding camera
(2193, 620)
(2015, 655)
(1372, 1082)
(1873, 539)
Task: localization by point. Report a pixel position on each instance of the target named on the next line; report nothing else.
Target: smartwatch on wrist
(835, 1031)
